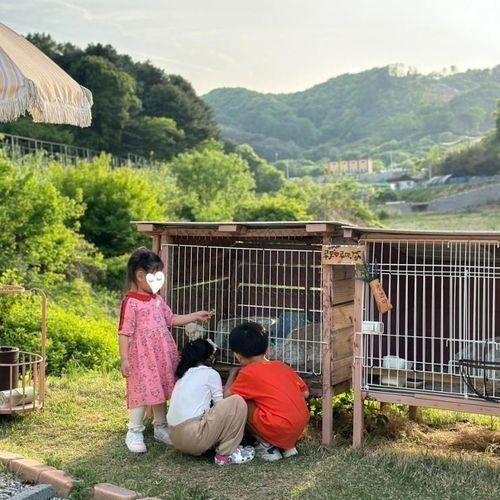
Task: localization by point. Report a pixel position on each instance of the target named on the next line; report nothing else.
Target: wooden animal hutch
(270, 273)
(439, 345)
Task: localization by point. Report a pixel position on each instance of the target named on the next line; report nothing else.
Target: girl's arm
(126, 329)
(123, 344)
(215, 384)
(184, 319)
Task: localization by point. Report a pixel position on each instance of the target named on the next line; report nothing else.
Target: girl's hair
(144, 259)
(195, 352)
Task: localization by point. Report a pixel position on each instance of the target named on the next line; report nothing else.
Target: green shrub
(39, 236)
(73, 340)
(111, 199)
(114, 275)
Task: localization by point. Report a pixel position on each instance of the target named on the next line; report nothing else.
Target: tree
(114, 101)
(175, 98)
(213, 184)
(268, 179)
(272, 208)
(157, 138)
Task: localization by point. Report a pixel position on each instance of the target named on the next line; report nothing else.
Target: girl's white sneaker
(135, 442)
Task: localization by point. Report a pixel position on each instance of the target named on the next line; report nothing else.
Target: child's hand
(203, 315)
(125, 368)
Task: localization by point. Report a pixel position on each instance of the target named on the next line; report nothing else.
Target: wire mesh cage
(442, 335)
(281, 289)
(22, 374)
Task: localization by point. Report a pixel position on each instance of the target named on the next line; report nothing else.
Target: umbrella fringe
(41, 110)
(12, 109)
(58, 112)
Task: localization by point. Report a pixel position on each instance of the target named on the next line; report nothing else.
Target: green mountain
(481, 159)
(380, 112)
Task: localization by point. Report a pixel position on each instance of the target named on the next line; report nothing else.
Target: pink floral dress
(153, 354)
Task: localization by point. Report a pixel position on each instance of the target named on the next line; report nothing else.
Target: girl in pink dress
(148, 353)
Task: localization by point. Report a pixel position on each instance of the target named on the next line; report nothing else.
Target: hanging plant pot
(9, 367)
(380, 297)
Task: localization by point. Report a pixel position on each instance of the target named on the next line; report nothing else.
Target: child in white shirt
(198, 416)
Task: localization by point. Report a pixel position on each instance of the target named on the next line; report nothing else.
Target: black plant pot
(9, 356)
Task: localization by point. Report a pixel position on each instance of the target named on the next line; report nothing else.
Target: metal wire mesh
(280, 289)
(441, 335)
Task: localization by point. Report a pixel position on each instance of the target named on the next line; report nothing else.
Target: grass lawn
(484, 219)
(82, 430)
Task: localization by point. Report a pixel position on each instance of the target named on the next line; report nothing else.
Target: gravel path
(10, 486)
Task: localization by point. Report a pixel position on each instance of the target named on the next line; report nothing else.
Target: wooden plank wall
(343, 321)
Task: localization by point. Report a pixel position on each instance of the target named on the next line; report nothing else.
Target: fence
(18, 148)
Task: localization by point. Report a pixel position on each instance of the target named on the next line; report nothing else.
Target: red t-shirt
(281, 413)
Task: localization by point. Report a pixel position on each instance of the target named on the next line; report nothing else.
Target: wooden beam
(230, 228)
(145, 228)
(327, 299)
(358, 425)
(317, 228)
(248, 233)
(376, 237)
(472, 405)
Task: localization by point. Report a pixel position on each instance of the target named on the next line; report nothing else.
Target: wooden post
(327, 420)
(44, 353)
(357, 431)
(413, 413)
(156, 243)
(165, 257)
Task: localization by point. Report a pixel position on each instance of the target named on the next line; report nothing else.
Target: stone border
(52, 481)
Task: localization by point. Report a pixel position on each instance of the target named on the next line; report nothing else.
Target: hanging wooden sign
(343, 255)
(380, 296)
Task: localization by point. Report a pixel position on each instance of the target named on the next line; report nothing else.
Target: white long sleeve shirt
(193, 394)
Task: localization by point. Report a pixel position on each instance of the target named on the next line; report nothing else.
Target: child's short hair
(248, 339)
(144, 259)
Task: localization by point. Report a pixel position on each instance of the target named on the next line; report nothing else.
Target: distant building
(351, 167)
(402, 182)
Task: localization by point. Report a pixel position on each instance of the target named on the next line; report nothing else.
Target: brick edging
(35, 472)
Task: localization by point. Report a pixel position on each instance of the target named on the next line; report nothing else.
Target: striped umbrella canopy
(30, 81)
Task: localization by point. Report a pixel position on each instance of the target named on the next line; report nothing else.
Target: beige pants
(223, 425)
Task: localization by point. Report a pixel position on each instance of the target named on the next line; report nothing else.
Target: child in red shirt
(275, 394)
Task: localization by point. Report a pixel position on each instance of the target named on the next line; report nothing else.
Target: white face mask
(155, 281)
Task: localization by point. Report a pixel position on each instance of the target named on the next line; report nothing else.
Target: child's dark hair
(144, 259)
(248, 339)
(195, 352)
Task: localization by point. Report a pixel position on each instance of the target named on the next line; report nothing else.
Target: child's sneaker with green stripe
(239, 456)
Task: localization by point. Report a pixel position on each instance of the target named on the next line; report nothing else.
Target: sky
(273, 45)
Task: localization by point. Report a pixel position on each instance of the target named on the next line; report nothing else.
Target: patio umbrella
(31, 81)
